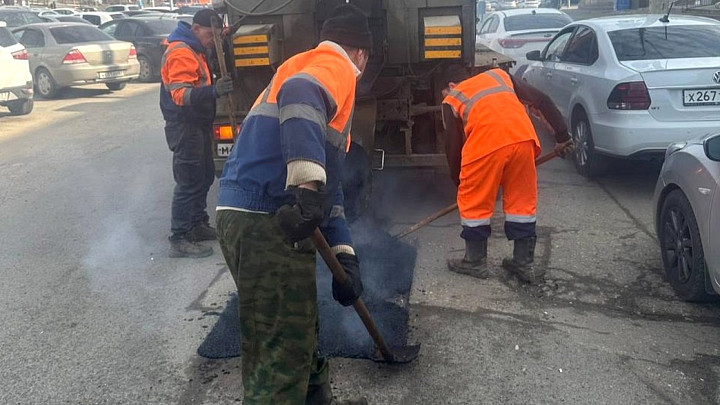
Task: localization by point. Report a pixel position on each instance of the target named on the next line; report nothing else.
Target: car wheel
(116, 86)
(45, 84)
(587, 162)
(146, 71)
(682, 251)
(20, 107)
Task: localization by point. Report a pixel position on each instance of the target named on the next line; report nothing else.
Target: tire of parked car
(116, 86)
(45, 84)
(587, 162)
(682, 251)
(20, 107)
(146, 70)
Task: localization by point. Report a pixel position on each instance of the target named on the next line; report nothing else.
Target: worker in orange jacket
(490, 143)
(187, 101)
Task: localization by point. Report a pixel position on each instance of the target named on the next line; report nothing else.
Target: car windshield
(536, 21)
(671, 42)
(6, 38)
(161, 27)
(16, 19)
(78, 34)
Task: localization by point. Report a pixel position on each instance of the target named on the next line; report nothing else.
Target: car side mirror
(533, 55)
(712, 148)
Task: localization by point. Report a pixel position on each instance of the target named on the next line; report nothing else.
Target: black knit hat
(204, 17)
(347, 25)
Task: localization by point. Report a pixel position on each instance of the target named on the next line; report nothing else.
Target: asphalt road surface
(93, 312)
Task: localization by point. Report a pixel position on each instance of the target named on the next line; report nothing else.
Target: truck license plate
(701, 97)
(4, 95)
(107, 75)
(223, 149)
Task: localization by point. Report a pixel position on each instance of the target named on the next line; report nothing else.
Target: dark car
(15, 17)
(149, 35)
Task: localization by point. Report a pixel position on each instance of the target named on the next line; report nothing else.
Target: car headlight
(674, 147)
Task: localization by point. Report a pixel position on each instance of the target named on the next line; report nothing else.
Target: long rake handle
(340, 276)
(224, 73)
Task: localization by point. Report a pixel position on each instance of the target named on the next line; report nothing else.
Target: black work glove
(300, 220)
(346, 294)
(223, 86)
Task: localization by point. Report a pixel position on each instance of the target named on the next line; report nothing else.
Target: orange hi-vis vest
(492, 114)
(182, 70)
(328, 69)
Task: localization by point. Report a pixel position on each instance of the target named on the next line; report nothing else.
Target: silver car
(687, 217)
(629, 86)
(75, 54)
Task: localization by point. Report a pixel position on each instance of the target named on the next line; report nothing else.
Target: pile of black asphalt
(387, 267)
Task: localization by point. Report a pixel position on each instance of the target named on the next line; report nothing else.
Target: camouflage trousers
(278, 312)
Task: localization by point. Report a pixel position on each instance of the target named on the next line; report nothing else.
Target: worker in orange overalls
(187, 101)
(491, 142)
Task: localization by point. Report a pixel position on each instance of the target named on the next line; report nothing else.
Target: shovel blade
(399, 354)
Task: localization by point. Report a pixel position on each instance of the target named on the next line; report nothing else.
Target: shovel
(383, 353)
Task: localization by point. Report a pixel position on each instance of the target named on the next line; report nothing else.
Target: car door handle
(573, 81)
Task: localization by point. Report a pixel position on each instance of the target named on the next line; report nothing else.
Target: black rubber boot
(182, 247)
(521, 264)
(475, 261)
(321, 395)
(201, 231)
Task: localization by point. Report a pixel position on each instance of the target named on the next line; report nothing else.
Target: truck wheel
(357, 182)
(20, 107)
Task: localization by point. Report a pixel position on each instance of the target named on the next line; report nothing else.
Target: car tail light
(20, 55)
(74, 56)
(224, 132)
(133, 52)
(517, 42)
(629, 96)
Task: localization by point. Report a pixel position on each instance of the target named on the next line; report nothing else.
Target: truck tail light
(74, 56)
(133, 52)
(20, 55)
(224, 132)
(629, 96)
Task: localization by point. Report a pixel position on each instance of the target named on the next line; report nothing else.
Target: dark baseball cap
(204, 18)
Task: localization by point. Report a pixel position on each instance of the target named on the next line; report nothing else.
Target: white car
(121, 8)
(66, 11)
(47, 13)
(506, 4)
(516, 32)
(528, 3)
(629, 86)
(98, 18)
(16, 85)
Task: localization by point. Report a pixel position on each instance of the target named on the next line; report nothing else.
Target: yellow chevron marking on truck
(443, 54)
(250, 39)
(443, 41)
(251, 50)
(443, 30)
(252, 62)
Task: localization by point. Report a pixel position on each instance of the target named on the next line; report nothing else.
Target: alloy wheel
(581, 143)
(44, 83)
(679, 244)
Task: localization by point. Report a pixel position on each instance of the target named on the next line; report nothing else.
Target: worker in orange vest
(491, 143)
(187, 101)
(281, 182)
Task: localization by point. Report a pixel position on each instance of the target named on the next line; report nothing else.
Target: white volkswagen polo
(629, 86)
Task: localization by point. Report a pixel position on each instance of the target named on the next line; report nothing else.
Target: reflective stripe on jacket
(303, 116)
(492, 114)
(186, 93)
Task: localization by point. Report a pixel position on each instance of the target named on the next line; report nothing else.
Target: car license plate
(701, 97)
(107, 75)
(223, 149)
(4, 95)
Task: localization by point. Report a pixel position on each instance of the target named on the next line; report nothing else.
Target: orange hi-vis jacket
(493, 116)
(186, 93)
(297, 131)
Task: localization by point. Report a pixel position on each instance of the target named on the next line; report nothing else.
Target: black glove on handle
(300, 220)
(346, 294)
(223, 86)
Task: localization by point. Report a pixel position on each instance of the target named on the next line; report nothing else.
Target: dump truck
(397, 122)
